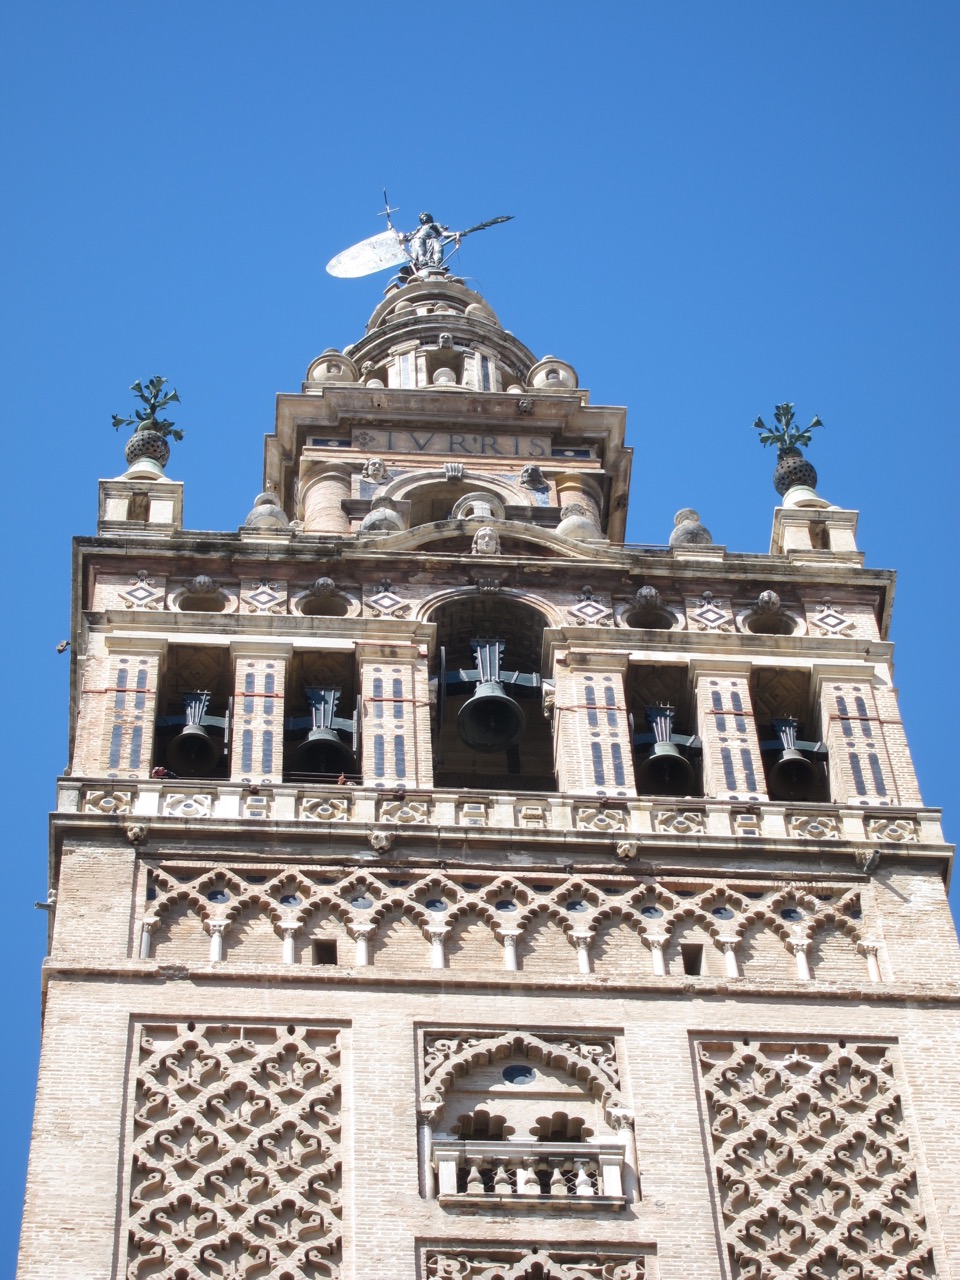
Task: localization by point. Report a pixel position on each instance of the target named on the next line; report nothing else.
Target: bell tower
(445, 887)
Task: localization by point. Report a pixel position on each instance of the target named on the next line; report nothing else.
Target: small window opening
(691, 953)
(819, 536)
(324, 953)
(138, 507)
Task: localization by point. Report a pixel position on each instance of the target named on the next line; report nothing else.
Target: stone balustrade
(631, 823)
(586, 1175)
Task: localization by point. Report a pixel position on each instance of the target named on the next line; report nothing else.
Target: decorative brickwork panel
(732, 768)
(235, 1166)
(544, 1262)
(545, 917)
(594, 749)
(396, 723)
(117, 713)
(811, 1164)
(256, 753)
(863, 770)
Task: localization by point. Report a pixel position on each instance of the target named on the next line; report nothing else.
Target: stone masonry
(364, 969)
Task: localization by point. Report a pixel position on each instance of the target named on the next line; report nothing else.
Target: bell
(323, 751)
(490, 720)
(792, 776)
(193, 753)
(665, 772)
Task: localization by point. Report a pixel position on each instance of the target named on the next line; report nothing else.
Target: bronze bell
(490, 720)
(323, 750)
(193, 753)
(792, 776)
(665, 771)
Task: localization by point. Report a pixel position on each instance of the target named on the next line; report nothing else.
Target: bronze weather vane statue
(422, 251)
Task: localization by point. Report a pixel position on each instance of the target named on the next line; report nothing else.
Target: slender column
(510, 952)
(593, 747)
(289, 943)
(437, 959)
(363, 946)
(217, 929)
(146, 937)
(873, 963)
(428, 1179)
(656, 954)
(730, 959)
(803, 963)
(583, 951)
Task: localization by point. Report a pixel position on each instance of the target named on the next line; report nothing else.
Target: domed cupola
(438, 333)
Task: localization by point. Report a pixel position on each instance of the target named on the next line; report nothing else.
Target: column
(593, 745)
(395, 716)
(362, 936)
(510, 951)
(656, 955)
(290, 943)
(217, 929)
(732, 764)
(146, 938)
(323, 492)
(730, 959)
(437, 959)
(256, 746)
(118, 709)
(864, 770)
(799, 949)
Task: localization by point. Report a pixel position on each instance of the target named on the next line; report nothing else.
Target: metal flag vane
(425, 250)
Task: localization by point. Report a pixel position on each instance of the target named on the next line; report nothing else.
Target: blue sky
(718, 207)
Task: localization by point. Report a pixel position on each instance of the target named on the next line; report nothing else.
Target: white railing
(585, 1172)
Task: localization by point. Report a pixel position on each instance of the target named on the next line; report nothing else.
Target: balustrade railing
(584, 1171)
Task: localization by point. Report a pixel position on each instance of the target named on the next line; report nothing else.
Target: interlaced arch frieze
(512, 907)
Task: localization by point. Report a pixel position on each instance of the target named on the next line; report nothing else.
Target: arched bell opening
(667, 750)
(794, 758)
(491, 732)
(321, 725)
(193, 724)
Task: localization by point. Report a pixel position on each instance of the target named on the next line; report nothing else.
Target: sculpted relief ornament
(813, 1169)
(486, 542)
(234, 1168)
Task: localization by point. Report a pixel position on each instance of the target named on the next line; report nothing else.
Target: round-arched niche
(470, 615)
(323, 600)
(767, 617)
